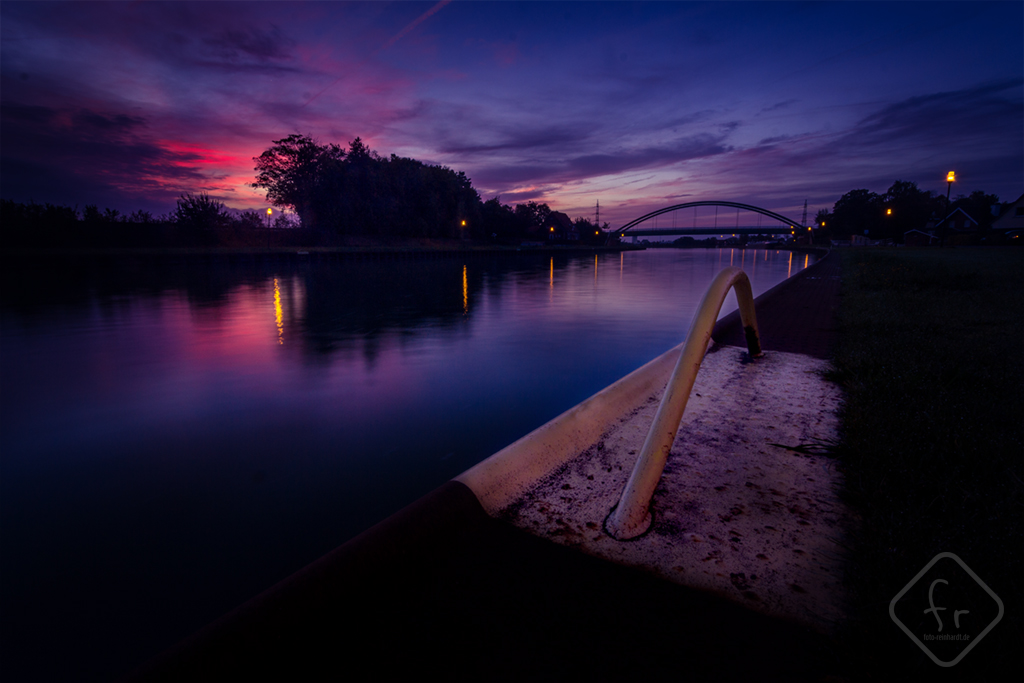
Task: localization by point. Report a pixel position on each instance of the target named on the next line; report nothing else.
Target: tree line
(331, 193)
(338, 192)
(197, 220)
(334, 193)
(901, 208)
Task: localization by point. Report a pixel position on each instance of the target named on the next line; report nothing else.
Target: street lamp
(269, 211)
(950, 178)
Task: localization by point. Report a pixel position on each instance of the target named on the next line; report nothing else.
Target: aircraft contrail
(413, 24)
(394, 39)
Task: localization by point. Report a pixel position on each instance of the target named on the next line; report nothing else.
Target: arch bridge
(791, 225)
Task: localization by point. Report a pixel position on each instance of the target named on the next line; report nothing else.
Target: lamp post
(269, 211)
(950, 178)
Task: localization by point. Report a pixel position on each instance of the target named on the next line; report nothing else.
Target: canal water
(178, 436)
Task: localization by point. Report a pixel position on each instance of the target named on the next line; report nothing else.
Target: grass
(930, 359)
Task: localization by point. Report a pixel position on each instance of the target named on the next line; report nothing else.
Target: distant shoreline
(365, 248)
(382, 247)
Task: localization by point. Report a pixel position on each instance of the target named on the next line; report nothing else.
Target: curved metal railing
(631, 517)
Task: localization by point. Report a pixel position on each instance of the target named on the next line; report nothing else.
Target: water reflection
(278, 316)
(155, 425)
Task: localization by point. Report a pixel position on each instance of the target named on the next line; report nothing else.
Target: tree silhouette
(199, 217)
(857, 212)
(359, 192)
(292, 172)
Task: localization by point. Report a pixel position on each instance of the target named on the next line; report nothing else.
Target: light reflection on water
(177, 439)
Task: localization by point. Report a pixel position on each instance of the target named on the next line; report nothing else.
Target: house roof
(1008, 217)
(560, 221)
(956, 211)
(1007, 207)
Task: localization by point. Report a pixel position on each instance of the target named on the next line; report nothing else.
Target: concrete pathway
(798, 315)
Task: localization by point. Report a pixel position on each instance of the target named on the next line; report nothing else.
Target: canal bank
(445, 590)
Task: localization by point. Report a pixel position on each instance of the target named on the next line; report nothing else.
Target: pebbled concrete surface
(735, 513)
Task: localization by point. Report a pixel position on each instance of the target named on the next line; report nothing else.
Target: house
(957, 228)
(959, 221)
(559, 227)
(1011, 217)
(919, 238)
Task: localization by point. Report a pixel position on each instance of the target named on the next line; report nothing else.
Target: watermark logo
(946, 609)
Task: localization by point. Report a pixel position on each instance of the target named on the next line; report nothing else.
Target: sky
(638, 106)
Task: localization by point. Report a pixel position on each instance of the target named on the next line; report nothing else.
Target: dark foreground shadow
(441, 591)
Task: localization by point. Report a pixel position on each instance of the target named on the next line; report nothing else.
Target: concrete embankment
(447, 589)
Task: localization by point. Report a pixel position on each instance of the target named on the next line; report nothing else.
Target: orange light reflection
(278, 313)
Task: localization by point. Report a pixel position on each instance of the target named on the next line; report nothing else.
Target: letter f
(933, 609)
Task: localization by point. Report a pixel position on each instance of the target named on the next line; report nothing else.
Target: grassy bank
(933, 444)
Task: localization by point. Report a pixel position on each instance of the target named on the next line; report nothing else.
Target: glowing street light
(950, 178)
(269, 211)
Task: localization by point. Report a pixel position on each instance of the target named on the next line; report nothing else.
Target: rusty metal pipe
(631, 516)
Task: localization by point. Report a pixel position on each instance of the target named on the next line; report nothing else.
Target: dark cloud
(80, 156)
(683, 149)
(522, 140)
(15, 112)
(233, 44)
(778, 105)
(562, 169)
(764, 142)
(122, 123)
(943, 117)
(248, 50)
(495, 178)
(690, 119)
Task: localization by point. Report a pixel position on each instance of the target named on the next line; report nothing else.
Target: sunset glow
(128, 105)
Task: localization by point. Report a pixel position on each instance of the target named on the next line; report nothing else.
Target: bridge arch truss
(735, 205)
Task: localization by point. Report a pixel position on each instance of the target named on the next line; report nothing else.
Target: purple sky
(128, 105)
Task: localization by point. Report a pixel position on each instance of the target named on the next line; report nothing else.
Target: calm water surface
(178, 437)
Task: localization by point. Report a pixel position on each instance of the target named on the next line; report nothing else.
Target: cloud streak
(564, 103)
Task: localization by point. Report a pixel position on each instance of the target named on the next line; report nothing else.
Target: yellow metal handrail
(631, 517)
